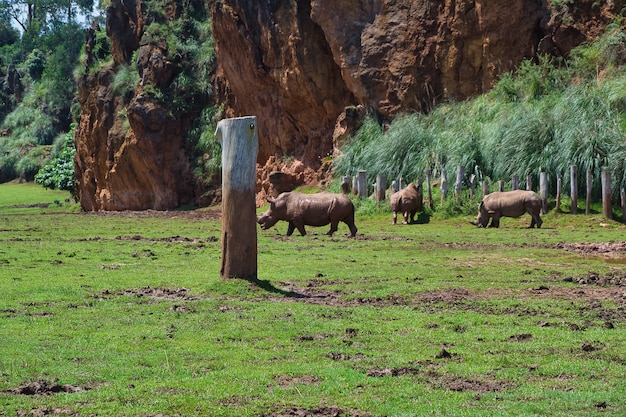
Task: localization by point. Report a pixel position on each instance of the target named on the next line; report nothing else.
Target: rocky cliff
(309, 70)
(298, 64)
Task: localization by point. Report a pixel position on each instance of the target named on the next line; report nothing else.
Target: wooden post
(589, 189)
(622, 194)
(472, 185)
(558, 193)
(362, 181)
(606, 193)
(355, 185)
(543, 191)
(420, 193)
(240, 146)
(394, 186)
(514, 182)
(429, 190)
(443, 186)
(346, 181)
(460, 173)
(529, 182)
(380, 187)
(500, 185)
(573, 181)
(485, 188)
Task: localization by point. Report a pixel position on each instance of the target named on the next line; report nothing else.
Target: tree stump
(240, 146)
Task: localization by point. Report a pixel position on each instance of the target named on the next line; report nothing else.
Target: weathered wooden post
(622, 195)
(443, 185)
(558, 193)
(529, 182)
(429, 190)
(543, 191)
(346, 181)
(362, 181)
(472, 182)
(394, 186)
(606, 193)
(240, 146)
(514, 182)
(500, 185)
(355, 185)
(485, 188)
(573, 182)
(460, 173)
(379, 189)
(589, 190)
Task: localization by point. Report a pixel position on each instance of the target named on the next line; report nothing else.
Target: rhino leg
(395, 217)
(300, 226)
(333, 227)
(406, 217)
(349, 220)
(290, 229)
(536, 220)
(495, 221)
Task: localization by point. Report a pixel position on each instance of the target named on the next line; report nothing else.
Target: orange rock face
(309, 70)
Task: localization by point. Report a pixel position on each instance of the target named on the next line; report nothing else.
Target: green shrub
(58, 174)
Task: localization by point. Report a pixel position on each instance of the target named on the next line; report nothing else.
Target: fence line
(360, 188)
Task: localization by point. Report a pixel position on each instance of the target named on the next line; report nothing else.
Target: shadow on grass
(267, 286)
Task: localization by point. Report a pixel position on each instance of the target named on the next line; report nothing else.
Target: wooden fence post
(589, 189)
(622, 194)
(355, 185)
(514, 182)
(460, 173)
(443, 186)
(529, 182)
(485, 188)
(543, 191)
(606, 193)
(472, 185)
(429, 189)
(500, 185)
(346, 181)
(379, 191)
(240, 146)
(362, 181)
(573, 181)
(558, 193)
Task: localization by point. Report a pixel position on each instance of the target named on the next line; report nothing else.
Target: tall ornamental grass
(546, 116)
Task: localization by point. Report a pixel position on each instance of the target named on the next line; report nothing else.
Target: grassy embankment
(438, 318)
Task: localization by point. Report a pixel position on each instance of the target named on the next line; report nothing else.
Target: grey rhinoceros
(509, 204)
(301, 210)
(407, 202)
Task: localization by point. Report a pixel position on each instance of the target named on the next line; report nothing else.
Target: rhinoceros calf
(407, 202)
(508, 204)
(317, 209)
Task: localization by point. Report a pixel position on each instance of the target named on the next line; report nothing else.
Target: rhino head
(483, 216)
(270, 217)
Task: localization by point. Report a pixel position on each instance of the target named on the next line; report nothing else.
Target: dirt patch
(211, 213)
(316, 412)
(44, 388)
(170, 294)
(139, 238)
(40, 412)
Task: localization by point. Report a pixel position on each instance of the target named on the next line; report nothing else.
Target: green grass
(130, 308)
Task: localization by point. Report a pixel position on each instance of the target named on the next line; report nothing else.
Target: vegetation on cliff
(39, 47)
(546, 116)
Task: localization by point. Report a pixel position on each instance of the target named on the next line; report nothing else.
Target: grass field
(124, 314)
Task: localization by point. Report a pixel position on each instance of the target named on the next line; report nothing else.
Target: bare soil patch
(322, 411)
(44, 388)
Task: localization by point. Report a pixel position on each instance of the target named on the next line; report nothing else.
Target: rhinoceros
(317, 209)
(407, 202)
(508, 204)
